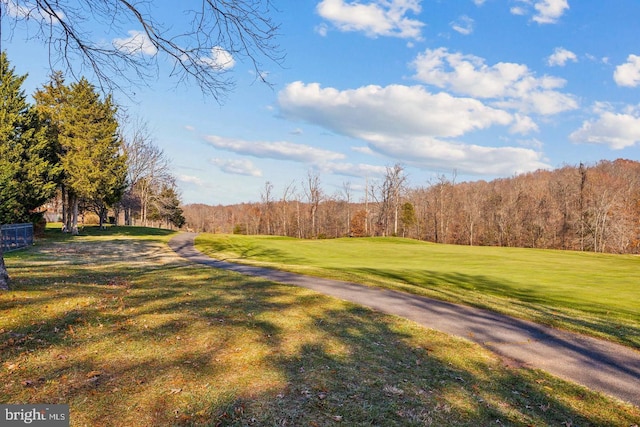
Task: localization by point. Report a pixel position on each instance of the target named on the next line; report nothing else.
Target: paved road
(599, 365)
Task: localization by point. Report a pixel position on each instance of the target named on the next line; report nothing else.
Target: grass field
(597, 294)
(115, 325)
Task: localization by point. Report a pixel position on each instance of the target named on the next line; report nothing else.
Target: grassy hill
(598, 294)
(115, 325)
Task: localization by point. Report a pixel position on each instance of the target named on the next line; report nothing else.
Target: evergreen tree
(91, 153)
(28, 165)
(166, 207)
(49, 103)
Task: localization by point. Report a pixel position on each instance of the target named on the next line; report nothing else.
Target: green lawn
(598, 294)
(118, 327)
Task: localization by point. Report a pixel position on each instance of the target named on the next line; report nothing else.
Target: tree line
(74, 147)
(585, 207)
(70, 149)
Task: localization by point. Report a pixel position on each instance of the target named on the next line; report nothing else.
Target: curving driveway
(597, 364)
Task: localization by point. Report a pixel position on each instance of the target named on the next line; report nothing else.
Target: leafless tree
(199, 43)
(147, 171)
(387, 197)
(314, 194)
(267, 205)
(347, 195)
(289, 190)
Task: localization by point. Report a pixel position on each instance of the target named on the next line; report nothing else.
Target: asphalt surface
(596, 364)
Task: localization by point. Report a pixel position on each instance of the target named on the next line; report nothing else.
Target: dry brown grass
(129, 335)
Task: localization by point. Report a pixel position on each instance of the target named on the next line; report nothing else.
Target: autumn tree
(357, 225)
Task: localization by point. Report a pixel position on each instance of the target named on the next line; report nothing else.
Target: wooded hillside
(585, 207)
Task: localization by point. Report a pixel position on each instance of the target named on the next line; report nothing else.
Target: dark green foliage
(28, 166)
(93, 162)
(166, 208)
(91, 153)
(407, 216)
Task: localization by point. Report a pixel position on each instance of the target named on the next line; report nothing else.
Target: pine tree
(93, 161)
(165, 207)
(91, 153)
(28, 165)
(49, 103)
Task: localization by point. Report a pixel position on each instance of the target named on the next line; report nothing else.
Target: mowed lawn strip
(126, 333)
(596, 294)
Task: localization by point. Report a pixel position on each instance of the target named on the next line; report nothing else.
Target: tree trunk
(4, 276)
(65, 210)
(74, 216)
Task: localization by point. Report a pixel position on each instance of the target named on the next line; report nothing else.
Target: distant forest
(585, 208)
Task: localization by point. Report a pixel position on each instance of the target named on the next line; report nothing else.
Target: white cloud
(560, 57)
(546, 102)
(22, 11)
(220, 59)
(464, 25)
(479, 2)
(533, 143)
(617, 130)
(28, 10)
(375, 18)
(511, 85)
(281, 150)
(549, 11)
(433, 153)
(370, 111)
(191, 180)
(138, 42)
(363, 150)
(410, 124)
(354, 170)
(546, 11)
(237, 167)
(628, 74)
(523, 125)
(322, 29)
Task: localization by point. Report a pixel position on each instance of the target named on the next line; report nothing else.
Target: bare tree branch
(194, 44)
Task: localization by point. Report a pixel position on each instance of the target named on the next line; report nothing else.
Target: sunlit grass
(146, 340)
(598, 294)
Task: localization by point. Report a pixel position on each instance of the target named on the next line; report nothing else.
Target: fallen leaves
(93, 374)
(390, 390)
(32, 383)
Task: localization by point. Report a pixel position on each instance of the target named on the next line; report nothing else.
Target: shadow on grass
(215, 245)
(165, 343)
(541, 307)
(56, 234)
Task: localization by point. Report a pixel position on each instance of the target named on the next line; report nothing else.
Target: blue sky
(479, 88)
